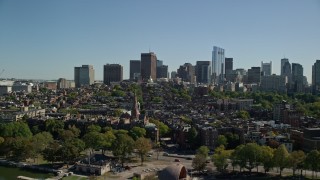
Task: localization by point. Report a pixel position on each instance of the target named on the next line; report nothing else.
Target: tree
(203, 150)
(39, 142)
(52, 152)
(238, 157)
(222, 140)
(70, 150)
(109, 139)
(94, 140)
(267, 158)
(243, 115)
(21, 149)
(312, 161)
(296, 159)
(281, 157)
(122, 147)
(220, 158)
(192, 136)
(163, 129)
(93, 128)
(15, 129)
(199, 162)
(137, 132)
(54, 126)
(143, 146)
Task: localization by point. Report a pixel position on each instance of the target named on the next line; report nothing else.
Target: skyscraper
(162, 71)
(297, 77)
(187, 73)
(148, 66)
(316, 76)
(254, 75)
(203, 72)
(218, 64)
(266, 68)
(84, 76)
(283, 61)
(134, 69)
(228, 68)
(112, 73)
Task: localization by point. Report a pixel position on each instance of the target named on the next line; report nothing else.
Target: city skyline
(47, 39)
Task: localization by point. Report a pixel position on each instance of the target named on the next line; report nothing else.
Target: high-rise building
(134, 69)
(297, 77)
(159, 62)
(254, 75)
(228, 67)
(283, 61)
(286, 71)
(218, 64)
(266, 68)
(148, 66)
(162, 71)
(84, 75)
(316, 76)
(203, 72)
(187, 73)
(112, 73)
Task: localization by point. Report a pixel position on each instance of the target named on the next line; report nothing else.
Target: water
(11, 173)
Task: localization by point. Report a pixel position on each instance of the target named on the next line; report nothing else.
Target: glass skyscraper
(217, 64)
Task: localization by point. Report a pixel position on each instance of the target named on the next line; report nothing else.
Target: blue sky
(46, 39)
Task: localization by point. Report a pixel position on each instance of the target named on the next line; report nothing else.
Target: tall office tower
(266, 68)
(283, 61)
(84, 75)
(218, 64)
(286, 71)
(162, 71)
(187, 73)
(148, 66)
(316, 76)
(254, 75)
(297, 77)
(134, 69)
(159, 62)
(203, 72)
(112, 73)
(62, 83)
(228, 68)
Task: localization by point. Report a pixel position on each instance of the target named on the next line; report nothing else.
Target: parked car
(176, 160)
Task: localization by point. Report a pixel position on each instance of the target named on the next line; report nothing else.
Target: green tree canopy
(15, 129)
(137, 132)
(281, 157)
(143, 146)
(122, 147)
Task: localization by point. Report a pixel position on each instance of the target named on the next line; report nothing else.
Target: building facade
(297, 77)
(228, 67)
(187, 73)
(84, 75)
(316, 76)
(135, 69)
(162, 71)
(203, 72)
(148, 66)
(217, 64)
(112, 73)
(266, 68)
(254, 75)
